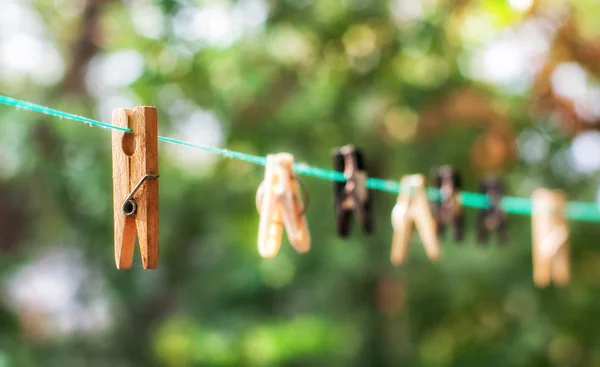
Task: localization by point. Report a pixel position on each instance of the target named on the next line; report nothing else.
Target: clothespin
(279, 203)
(353, 194)
(135, 185)
(551, 250)
(412, 208)
(492, 218)
(449, 208)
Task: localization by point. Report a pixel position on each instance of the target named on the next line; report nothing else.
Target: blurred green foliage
(415, 84)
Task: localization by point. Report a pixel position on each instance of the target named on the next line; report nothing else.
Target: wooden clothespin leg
(412, 209)
(135, 185)
(279, 204)
(551, 250)
(270, 227)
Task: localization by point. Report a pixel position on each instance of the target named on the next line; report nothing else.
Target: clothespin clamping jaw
(353, 194)
(135, 185)
(492, 218)
(279, 204)
(412, 208)
(551, 250)
(449, 208)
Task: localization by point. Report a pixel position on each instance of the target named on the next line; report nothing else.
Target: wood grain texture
(124, 226)
(135, 155)
(144, 123)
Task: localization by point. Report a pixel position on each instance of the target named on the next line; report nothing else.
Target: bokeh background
(508, 87)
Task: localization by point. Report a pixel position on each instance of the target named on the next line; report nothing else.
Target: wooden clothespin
(449, 207)
(551, 250)
(412, 207)
(352, 195)
(135, 185)
(492, 218)
(279, 204)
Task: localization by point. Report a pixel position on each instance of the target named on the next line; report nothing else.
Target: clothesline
(581, 211)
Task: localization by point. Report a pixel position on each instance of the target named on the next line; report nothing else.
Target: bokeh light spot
(359, 41)
(585, 152)
(569, 80)
(401, 123)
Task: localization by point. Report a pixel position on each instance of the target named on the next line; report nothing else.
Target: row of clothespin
(280, 205)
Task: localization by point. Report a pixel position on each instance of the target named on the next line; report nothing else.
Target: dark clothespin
(492, 218)
(449, 208)
(352, 195)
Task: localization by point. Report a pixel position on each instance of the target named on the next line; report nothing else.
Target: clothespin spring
(129, 205)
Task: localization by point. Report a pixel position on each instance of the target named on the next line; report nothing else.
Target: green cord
(575, 210)
(49, 111)
(224, 152)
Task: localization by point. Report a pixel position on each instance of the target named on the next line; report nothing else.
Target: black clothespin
(449, 208)
(492, 218)
(353, 194)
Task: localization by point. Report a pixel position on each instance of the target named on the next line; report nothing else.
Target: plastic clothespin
(551, 250)
(279, 204)
(135, 185)
(449, 207)
(353, 194)
(492, 218)
(412, 208)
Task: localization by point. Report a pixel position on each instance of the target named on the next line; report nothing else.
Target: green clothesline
(575, 210)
